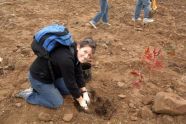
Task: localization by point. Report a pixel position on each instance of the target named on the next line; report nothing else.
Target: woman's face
(84, 54)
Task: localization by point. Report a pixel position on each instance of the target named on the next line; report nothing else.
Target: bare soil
(115, 99)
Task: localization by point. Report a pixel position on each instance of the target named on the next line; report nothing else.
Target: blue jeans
(48, 95)
(103, 14)
(142, 4)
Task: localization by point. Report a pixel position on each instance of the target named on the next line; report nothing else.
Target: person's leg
(139, 6)
(44, 94)
(102, 11)
(60, 85)
(146, 4)
(105, 14)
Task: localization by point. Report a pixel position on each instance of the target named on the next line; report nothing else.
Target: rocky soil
(126, 86)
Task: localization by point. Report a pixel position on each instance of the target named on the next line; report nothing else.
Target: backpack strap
(51, 70)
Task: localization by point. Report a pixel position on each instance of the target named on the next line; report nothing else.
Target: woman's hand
(82, 103)
(85, 95)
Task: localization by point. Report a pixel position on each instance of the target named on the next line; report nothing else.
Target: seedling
(151, 59)
(137, 83)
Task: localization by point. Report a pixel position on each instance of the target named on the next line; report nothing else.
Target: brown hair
(88, 42)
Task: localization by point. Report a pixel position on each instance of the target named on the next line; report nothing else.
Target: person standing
(102, 15)
(145, 5)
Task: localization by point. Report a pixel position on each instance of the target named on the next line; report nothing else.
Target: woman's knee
(56, 104)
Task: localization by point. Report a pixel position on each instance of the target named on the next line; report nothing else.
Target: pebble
(18, 105)
(146, 113)
(105, 46)
(1, 59)
(170, 90)
(147, 100)
(68, 117)
(138, 29)
(131, 105)
(123, 49)
(51, 122)
(122, 96)
(44, 117)
(120, 84)
(133, 118)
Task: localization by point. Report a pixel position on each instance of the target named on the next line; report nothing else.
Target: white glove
(82, 103)
(86, 97)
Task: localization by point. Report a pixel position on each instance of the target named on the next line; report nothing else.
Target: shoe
(24, 94)
(93, 25)
(138, 19)
(106, 23)
(148, 20)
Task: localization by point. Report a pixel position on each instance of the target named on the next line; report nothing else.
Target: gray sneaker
(138, 19)
(24, 94)
(148, 20)
(106, 23)
(93, 25)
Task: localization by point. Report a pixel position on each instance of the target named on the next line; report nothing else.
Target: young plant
(137, 83)
(151, 58)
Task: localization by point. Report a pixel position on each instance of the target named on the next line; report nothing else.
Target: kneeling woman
(68, 74)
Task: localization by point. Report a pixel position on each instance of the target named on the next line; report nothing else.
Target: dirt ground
(120, 48)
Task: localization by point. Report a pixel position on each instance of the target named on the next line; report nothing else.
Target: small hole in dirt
(101, 106)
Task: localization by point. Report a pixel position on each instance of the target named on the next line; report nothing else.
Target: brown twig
(8, 3)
